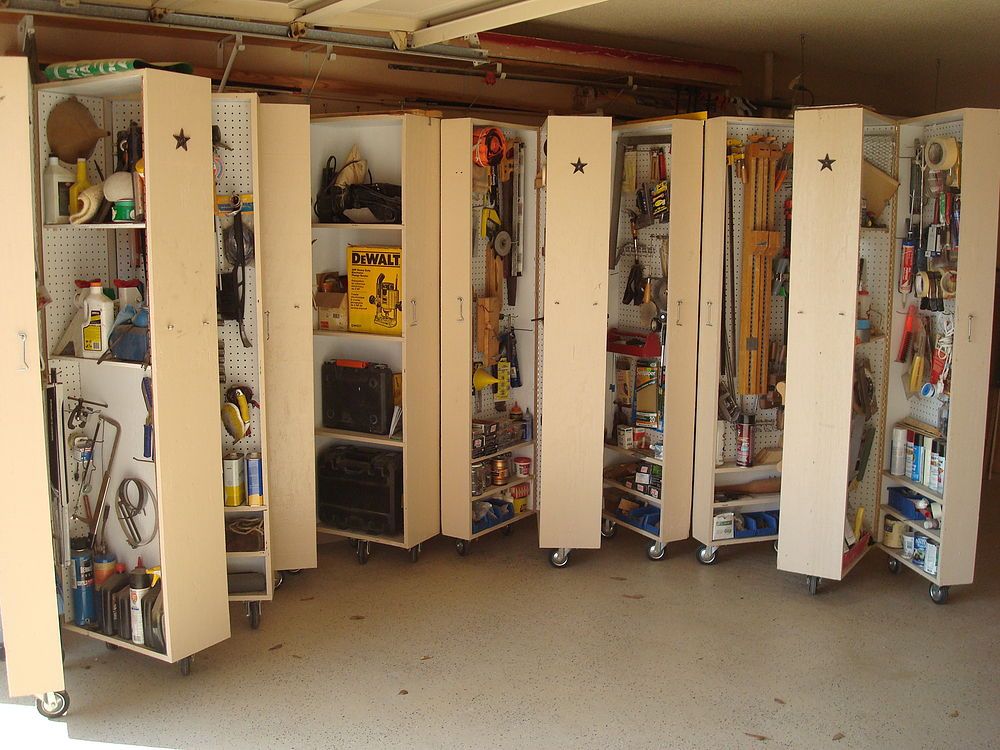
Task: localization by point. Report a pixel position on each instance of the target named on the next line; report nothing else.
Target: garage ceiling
(859, 35)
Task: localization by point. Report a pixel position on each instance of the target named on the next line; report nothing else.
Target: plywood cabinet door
(822, 303)
(577, 213)
(27, 583)
(286, 266)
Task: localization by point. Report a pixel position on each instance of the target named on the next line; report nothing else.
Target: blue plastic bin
(903, 499)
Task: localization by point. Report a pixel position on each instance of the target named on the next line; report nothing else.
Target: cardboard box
(331, 307)
(374, 287)
(722, 526)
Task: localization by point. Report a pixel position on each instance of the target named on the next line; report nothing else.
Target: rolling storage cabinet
(648, 156)
(557, 198)
(922, 485)
(262, 156)
(98, 412)
(482, 325)
(393, 322)
(742, 341)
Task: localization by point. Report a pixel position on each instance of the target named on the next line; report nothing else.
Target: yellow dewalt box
(375, 289)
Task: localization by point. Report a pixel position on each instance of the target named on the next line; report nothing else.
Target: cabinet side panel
(710, 327)
(422, 332)
(27, 585)
(577, 214)
(971, 364)
(184, 342)
(286, 265)
(456, 327)
(823, 298)
(686, 155)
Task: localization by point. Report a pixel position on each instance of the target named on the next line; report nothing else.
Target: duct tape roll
(922, 284)
(941, 154)
(949, 283)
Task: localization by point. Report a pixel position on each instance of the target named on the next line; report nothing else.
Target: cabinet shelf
(358, 335)
(508, 522)
(750, 501)
(622, 488)
(897, 555)
(115, 225)
(496, 489)
(115, 640)
(934, 534)
(238, 555)
(637, 454)
(243, 508)
(359, 437)
(915, 486)
(395, 540)
(622, 523)
(508, 449)
(319, 225)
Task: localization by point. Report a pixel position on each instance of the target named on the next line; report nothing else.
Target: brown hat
(72, 132)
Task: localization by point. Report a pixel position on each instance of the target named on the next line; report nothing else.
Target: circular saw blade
(502, 243)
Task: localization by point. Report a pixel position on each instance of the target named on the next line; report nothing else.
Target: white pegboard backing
(242, 364)
(880, 148)
(128, 264)
(47, 100)
(539, 316)
(767, 435)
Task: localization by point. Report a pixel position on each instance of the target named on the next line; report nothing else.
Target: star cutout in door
(182, 140)
(578, 165)
(826, 163)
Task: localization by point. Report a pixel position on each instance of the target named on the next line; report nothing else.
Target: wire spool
(941, 153)
(488, 146)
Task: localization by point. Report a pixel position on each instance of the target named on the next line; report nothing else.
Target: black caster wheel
(294, 572)
(656, 551)
(706, 555)
(938, 594)
(608, 528)
(185, 665)
(894, 566)
(507, 530)
(414, 553)
(111, 646)
(362, 552)
(559, 558)
(812, 583)
(254, 615)
(279, 578)
(462, 547)
(53, 705)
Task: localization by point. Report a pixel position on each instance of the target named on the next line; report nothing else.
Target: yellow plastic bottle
(81, 184)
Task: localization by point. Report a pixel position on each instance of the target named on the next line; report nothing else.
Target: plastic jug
(98, 316)
(56, 184)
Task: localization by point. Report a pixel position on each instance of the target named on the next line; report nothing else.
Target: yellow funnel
(483, 378)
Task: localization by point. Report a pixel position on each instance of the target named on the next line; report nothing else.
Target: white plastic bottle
(56, 183)
(98, 317)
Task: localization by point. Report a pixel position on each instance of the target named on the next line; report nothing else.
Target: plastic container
(863, 331)
(98, 317)
(56, 184)
(81, 184)
(905, 501)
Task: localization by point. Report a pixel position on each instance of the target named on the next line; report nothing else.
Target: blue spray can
(84, 607)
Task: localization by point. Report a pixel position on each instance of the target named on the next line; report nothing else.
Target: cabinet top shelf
(397, 227)
(114, 225)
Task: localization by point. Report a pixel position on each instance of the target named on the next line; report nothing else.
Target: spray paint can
(255, 479)
(744, 440)
(234, 479)
(138, 588)
(104, 567)
(84, 606)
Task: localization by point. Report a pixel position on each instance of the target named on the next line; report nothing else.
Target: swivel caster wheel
(608, 528)
(462, 547)
(279, 578)
(253, 612)
(53, 705)
(414, 553)
(185, 665)
(361, 551)
(507, 530)
(293, 572)
(706, 554)
(559, 558)
(656, 551)
(775, 546)
(894, 566)
(111, 646)
(812, 583)
(938, 594)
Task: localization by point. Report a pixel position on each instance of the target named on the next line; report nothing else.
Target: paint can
(255, 479)
(501, 470)
(522, 466)
(104, 567)
(744, 440)
(84, 606)
(234, 479)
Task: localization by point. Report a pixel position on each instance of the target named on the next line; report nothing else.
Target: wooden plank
(184, 344)
(710, 324)
(971, 354)
(285, 264)
(27, 587)
(820, 374)
(684, 267)
(456, 326)
(422, 321)
(577, 213)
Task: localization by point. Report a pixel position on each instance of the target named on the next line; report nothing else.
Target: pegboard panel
(128, 265)
(241, 365)
(880, 148)
(540, 318)
(767, 434)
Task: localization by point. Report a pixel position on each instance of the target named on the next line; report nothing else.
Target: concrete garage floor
(500, 650)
